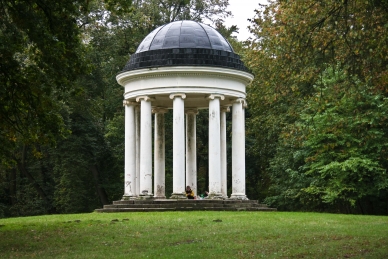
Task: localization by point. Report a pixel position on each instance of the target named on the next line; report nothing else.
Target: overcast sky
(242, 10)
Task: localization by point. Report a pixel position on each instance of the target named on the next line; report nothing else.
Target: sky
(242, 10)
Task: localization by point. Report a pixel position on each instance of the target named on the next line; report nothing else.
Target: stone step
(105, 210)
(184, 205)
(134, 209)
(185, 201)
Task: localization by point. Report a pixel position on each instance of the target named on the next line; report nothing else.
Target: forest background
(316, 124)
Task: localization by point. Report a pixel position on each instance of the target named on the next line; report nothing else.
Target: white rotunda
(183, 66)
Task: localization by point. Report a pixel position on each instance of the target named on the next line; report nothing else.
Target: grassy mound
(195, 235)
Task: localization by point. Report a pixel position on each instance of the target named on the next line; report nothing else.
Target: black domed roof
(184, 34)
(184, 43)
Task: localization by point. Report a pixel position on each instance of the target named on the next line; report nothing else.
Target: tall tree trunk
(100, 190)
(22, 168)
(359, 203)
(12, 186)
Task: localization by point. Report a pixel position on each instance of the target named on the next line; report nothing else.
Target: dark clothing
(190, 194)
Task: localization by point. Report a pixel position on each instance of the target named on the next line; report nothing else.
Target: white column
(238, 150)
(178, 146)
(191, 149)
(214, 147)
(137, 125)
(224, 186)
(145, 146)
(159, 154)
(129, 152)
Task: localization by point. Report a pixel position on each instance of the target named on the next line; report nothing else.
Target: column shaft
(224, 186)
(191, 150)
(178, 146)
(159, 154)
(238, 150)
(130, 152)
(214, 147)
(137, 125)
(145, 147)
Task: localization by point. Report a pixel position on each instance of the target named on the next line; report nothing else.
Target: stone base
(129, 197)
(145, 197)
(178, 196)
(216, 196)
(184, 205)
(238, 197)
(160, 197)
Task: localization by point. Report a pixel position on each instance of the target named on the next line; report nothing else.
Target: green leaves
(41, 54)
(349, 180)
(319, 95)
(345, 140)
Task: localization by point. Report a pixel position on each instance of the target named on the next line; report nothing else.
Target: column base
(160, 197)
(180, 196)
(216, 196)
(129, 197)
(238, 197)
(145, 197)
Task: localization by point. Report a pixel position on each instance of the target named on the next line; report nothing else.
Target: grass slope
(195, 235)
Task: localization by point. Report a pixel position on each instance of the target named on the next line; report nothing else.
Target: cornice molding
(184, 71)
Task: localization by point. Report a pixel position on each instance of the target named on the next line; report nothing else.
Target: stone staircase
(184, 205)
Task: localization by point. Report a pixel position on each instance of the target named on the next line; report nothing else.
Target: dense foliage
(61, 112)
(319, 102)
(316, 120)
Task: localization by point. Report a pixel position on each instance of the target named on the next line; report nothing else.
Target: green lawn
(195, 235)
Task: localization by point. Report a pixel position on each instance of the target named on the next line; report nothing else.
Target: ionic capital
(242, 101)
(225, 109)
(129, 103)
(181, 95)
(159, 110)
(145, 98)
(213, 96)
(191, 111)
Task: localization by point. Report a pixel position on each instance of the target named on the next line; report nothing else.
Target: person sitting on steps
(204, 195)
(189, 193)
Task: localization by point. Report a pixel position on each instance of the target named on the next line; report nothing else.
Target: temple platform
(184, 205)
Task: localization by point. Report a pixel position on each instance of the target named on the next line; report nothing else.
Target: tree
(161, 12)
(41, 53)
(42, 57)
(61, 114)
(345, 140)
(299, 47)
